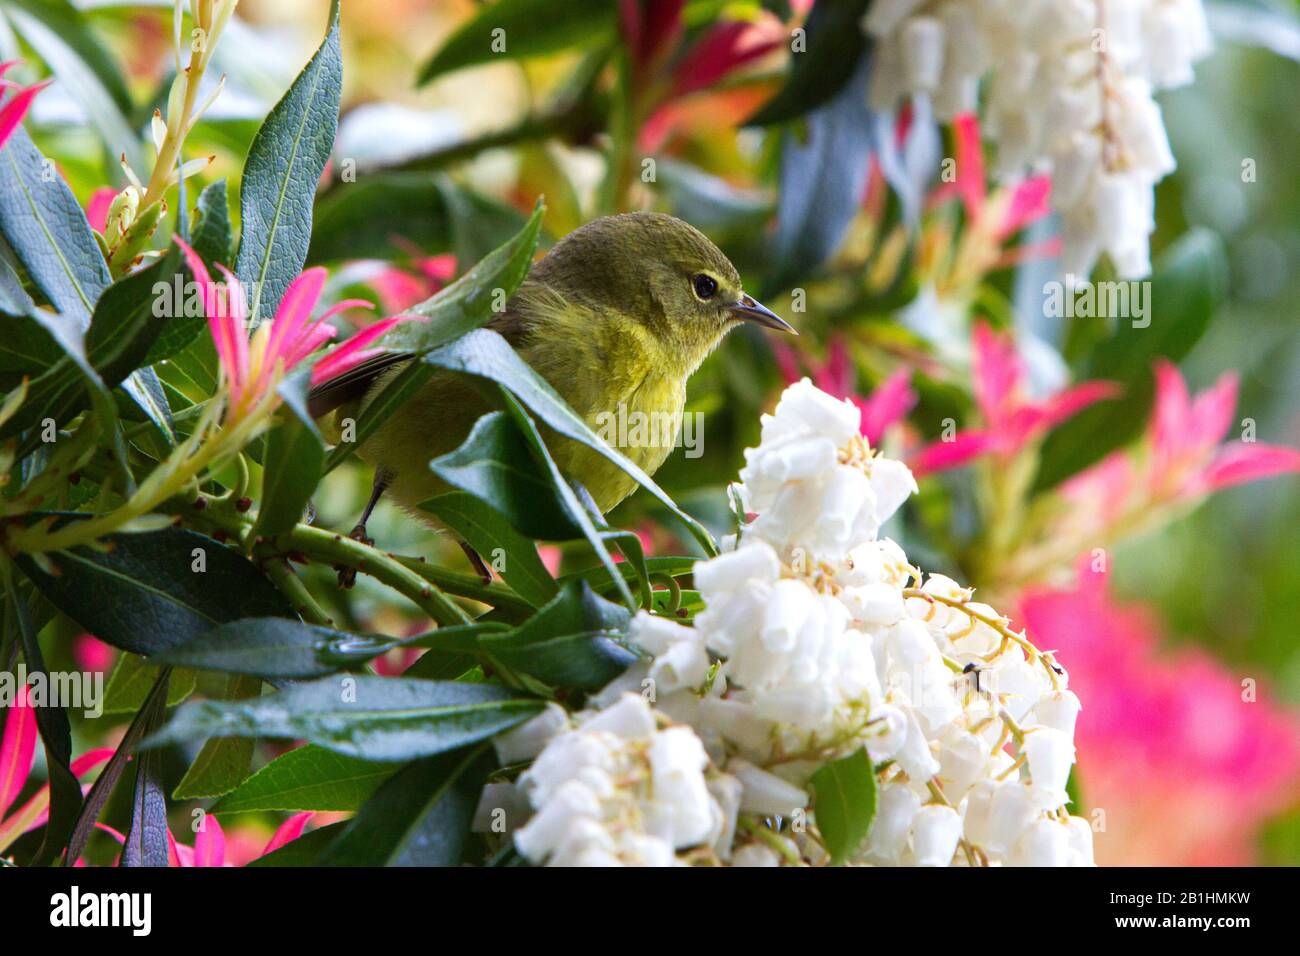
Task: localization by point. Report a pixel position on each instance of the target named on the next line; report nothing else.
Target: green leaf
(1187, 286)
(32, 339)
(308, 778)
(41, 220)
(222, 764)
(460, 307)
(133, 678)
(468, 302)
(527, 28)
(146, 842)
(211, 240)
(284, 165)
(491, 535)
(121, 331)
(375, 718)
(486, 354)
(291, 470)
(835, 42)
(275, 648)
(148, 717)
(845, 803)
(144, 595)
(572, 642)
(495, 464)
(573, 505)
(61, 37)
(419, 817)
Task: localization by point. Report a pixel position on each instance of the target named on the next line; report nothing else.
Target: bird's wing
(353, 384)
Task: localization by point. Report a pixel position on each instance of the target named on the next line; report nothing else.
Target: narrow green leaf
(275, 648)
(419, 817)
(146, 838)
(845, 803)
(835, 42)
(223, 764)
(133, 678)
(492, 536)
(43, 223)
(145, 721)
(486, 354)
(291, 471)
(308, 778)
(495, 464)
(284, 165)
(516, 29)
(460, 307)
(375, 718)
(572, 642)
(146, 593)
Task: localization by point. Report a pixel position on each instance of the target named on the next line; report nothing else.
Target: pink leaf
(970, 163)
(887, 405)
(12, 113)
(1239, 462)
(1030, 202)
(288, 831)
(210, 843)
(97, 208)
(17, 750)
(942, 455)
(352, 352)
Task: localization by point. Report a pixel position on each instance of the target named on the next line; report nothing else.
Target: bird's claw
(347, 573)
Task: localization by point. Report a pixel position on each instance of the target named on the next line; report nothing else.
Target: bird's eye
(706, 287)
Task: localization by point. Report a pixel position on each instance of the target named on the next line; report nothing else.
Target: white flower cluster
(817, 640)
(1069, 90)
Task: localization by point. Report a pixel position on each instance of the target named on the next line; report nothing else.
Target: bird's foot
(484, 572)
(347, 573)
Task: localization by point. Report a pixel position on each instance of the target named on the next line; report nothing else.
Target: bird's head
(660, 273)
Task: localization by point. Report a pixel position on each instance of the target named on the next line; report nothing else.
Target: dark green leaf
(134, 678)
(516, 29)
(845, 803)
(461, 307)
(496, 465)
(1186, 288)
(572, 642)
(291, 470)
(419, 817)
(835, 41)
(41, 220)
(222, 764)
(143, 594)
(491, 535)
(485, 354)
(145, 721)
(308, 778)
(275, 647)
(146, 838)
(283, 167)
(375, 718)
(211, 240)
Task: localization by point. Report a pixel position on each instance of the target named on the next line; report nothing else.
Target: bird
(615, 317)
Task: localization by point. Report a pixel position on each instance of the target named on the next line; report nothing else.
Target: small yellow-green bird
(615, 317)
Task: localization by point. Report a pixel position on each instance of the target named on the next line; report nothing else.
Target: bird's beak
(747, 310)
